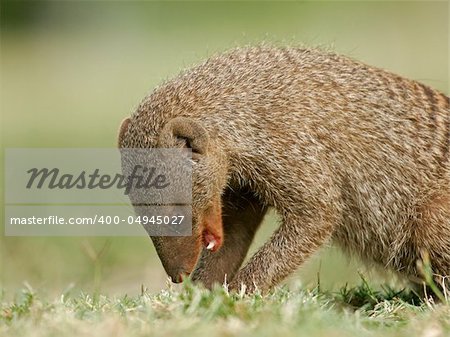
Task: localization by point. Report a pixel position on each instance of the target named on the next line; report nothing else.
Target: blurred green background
(70, 71)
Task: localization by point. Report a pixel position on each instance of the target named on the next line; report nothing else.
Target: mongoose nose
(180, 276)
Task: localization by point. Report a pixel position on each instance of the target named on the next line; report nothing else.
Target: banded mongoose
(343, 151)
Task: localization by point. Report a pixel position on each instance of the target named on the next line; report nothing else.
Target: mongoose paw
(242, 287)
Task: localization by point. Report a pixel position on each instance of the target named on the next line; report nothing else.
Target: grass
(192, 310)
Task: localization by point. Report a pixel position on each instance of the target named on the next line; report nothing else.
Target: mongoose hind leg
(432, 235)
(242, 215)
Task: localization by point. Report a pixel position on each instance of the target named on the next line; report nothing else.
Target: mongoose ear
(185, 132)
(122, 129)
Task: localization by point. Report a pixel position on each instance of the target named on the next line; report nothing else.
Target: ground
(358, 311)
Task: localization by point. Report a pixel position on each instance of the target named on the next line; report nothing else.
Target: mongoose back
(343, 151)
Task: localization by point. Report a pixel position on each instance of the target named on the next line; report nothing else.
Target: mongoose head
(179, 255)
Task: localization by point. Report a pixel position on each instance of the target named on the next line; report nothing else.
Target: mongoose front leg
(242, 215)
(296, 239)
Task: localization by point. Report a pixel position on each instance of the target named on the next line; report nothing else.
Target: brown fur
(342, 150)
